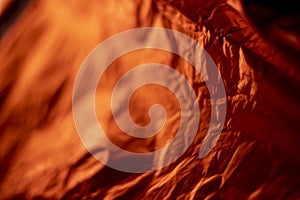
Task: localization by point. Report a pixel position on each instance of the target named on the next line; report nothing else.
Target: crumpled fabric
(42, 45)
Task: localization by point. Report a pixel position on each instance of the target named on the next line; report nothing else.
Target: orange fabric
(42, 46)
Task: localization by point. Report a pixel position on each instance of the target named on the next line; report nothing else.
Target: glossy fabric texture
(42, 45)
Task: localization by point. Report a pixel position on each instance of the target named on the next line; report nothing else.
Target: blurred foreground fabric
(256, 47)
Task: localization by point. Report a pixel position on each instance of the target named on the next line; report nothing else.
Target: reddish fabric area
(255, 47)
